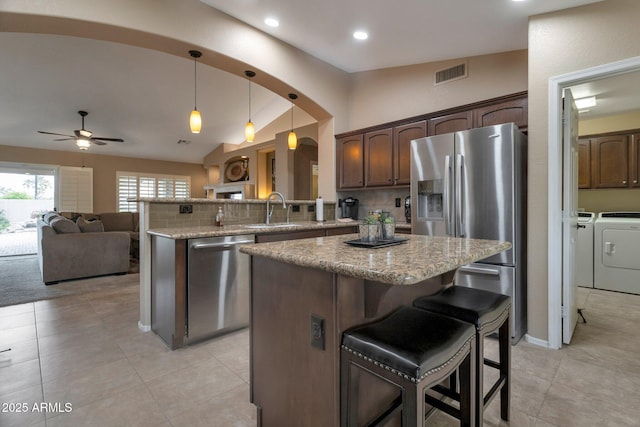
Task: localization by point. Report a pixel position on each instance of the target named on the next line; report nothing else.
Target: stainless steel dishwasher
(217, 286)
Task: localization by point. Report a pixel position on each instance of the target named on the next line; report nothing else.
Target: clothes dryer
(617, 252)
(584, 276)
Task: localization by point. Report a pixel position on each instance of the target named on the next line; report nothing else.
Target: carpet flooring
(20, 281)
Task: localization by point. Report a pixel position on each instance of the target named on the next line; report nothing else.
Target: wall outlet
(317, 332)
(398, 202)
(311, 208)
(295, 208)
(186, 209)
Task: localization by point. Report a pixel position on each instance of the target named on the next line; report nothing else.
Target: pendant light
(249, 129)
(292, 140)
(195, 120)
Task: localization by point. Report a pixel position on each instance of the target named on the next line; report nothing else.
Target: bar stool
(489, 312)
(413, 350)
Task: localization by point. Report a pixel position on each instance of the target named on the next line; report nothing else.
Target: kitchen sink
(278, 225)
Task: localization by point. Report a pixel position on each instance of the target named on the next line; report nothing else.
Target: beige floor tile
(17, 334)
(132, 408)
(18, 376)
(188, 388)
(18, 411)
(13, 310)
(19, 352)
(160, 362)
(228, 409)
(83, 387)
(16, 320)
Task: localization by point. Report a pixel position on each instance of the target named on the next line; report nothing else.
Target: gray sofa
(72, 246)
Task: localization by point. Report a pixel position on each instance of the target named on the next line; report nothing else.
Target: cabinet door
(378, 158)
(402, 136)
(610, 162)
(451, 123)
(505, 112)
(584, 163)
(634, 160)
(349, 158)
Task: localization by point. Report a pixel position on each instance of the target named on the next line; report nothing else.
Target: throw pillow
(63, 225)
(47, 217)
(94, 226)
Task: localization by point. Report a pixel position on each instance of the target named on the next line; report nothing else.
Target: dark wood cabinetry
(634, 161)
(451, 123)
(584, 163)
(378, 158)
(350, 161)
(610, 162)
(515, 111)
(402, 137)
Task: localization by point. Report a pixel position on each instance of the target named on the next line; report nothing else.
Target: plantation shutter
(75, 189)
(127, 187)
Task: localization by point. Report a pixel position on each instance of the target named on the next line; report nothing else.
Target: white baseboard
(144, 328)
(536, 341)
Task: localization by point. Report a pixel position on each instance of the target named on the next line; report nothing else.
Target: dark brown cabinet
(451, 123)
(610, 161)
(515, 111)
(378, 158)
(634, 161)
(350, 161)
(402, 137)
(584, 163)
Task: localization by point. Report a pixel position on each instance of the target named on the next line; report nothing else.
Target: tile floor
(86, 352)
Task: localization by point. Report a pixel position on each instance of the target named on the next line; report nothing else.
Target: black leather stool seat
(414, 350)
(409, 342)
(484, 309)
(488, 312)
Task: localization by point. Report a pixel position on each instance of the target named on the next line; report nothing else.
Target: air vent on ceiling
(452, 73)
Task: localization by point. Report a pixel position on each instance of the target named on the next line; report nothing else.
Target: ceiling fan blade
(109, 139)
(64, 139)
(98, 142)
(52, 133)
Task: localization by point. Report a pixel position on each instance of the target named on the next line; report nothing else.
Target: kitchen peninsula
(305, 293)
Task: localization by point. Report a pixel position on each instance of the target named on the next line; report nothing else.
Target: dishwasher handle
(223, 245)
(480, 270)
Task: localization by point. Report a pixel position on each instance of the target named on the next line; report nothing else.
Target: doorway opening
(27, 191)
(556, 176)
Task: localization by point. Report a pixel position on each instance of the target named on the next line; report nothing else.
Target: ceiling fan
(83, 137)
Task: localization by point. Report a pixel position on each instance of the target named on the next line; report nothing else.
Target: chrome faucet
(270, 211)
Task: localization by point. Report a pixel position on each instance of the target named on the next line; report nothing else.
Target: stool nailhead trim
(403, 375)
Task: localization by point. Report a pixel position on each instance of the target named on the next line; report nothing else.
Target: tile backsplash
(369, 200)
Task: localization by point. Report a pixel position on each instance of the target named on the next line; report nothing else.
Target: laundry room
(609, 184)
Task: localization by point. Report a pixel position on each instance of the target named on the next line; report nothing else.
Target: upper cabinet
(380, 156)
(514, 111)
(609, 160)
(451, 123)
(402, 137)
(350, 161)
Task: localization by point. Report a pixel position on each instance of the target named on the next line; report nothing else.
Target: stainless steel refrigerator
(473, 184)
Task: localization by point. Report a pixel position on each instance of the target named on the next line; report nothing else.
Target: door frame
(555, 259)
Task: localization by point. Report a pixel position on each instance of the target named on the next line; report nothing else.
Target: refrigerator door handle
(447, 196)
(459, 195)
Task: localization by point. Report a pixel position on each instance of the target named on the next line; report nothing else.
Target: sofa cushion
(47, 217)
(63, 225)
(85, 226)
(117, 221)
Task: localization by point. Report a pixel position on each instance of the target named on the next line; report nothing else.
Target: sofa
(74, 245)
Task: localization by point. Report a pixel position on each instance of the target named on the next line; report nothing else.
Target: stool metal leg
(504, 334)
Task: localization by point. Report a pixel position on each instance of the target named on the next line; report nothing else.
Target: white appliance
(584, 260)
(617, 252)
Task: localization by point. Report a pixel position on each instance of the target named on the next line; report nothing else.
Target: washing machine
(584, 260)
(617, 252)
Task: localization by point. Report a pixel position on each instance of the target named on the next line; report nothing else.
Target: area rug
(20, 281)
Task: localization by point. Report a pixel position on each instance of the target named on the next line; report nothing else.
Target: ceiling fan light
(292, 140)
(83, 144)
(195, 121)
(85, 133)
(249, 132)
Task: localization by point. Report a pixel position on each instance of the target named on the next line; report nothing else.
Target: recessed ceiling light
(272, 22)
(360, 35)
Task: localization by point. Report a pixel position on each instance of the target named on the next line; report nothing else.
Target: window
(134, 184)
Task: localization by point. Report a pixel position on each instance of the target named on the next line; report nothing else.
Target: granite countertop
(196, 232)
(418, 259)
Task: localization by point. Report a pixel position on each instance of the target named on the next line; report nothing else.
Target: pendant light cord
(195, 83)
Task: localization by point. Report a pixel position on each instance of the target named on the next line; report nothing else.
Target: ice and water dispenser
(429, 203)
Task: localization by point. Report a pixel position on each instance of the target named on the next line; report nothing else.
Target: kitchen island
(305, 293)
